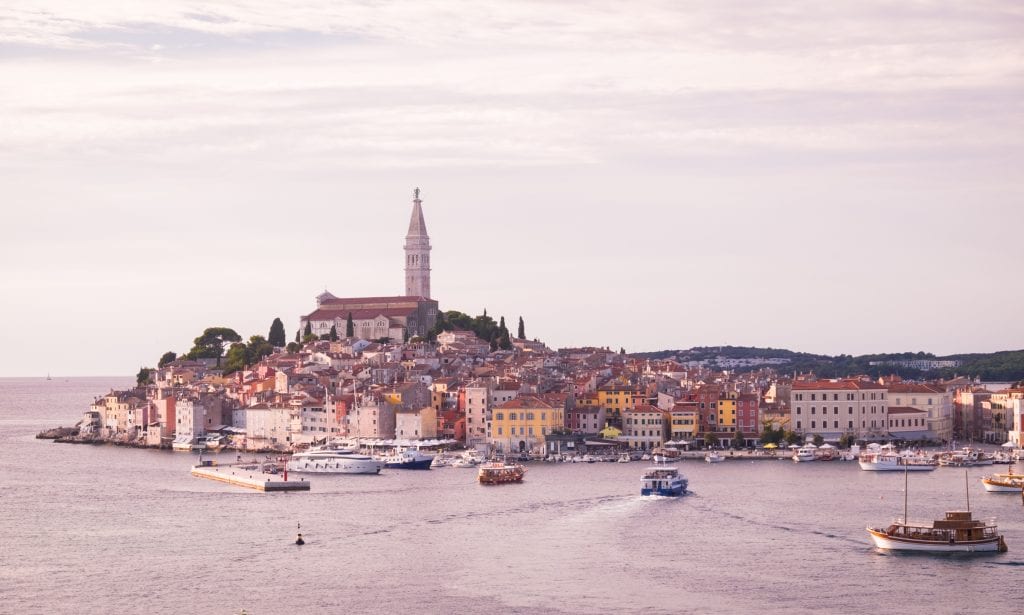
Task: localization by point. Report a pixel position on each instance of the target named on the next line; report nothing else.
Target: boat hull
(665, 491)
(995, 486)
(331, 465)
(884, 541)
(886, 467)
(419, 464)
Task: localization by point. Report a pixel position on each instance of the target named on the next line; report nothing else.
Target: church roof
(417, 226)
(367, 314)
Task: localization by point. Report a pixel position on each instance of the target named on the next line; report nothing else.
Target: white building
(832, 408)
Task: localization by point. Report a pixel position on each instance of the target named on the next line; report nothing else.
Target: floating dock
(243, 476)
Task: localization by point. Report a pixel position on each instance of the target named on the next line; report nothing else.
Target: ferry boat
(889, 461)
(334, 460)
(804, 453)
(500, 472)
(1004, 483)
(663, 480)
(713, 457)
(408, 459)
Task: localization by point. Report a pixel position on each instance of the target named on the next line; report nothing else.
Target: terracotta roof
(836, 385)
(905, 410)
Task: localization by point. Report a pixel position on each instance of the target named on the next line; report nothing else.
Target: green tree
(309, 329)
(710, 439)
(622, 350)
(309, 337)
(521, 334)
(294, 347)
(276, 335)
(258, 349)
(236, 358)
(818, 439)
(297, 338)
(210, 345)
(739, 440)
(350, 327)
(846, 440)
(334, 333)
(791, 437)
(166, 358)
(143, 376)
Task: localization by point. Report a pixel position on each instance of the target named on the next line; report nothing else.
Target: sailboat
(958, 532)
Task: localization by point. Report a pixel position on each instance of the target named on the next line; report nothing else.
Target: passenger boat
(1004, 483)
(500, 472)
(957, 532)
(665, 455)
(663, 480)
(334, 460)
(965, 458)
(713, 457)
(889, 461)
(804, 453)
(408, 459)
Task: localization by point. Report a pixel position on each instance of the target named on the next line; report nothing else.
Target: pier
(245, 475)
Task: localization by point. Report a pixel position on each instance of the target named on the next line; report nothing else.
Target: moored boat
(663, 480)
(804, 453)
(665, 455)
(889, 461)
(334, 460)
(500, 472)
(713, 457)
(408, 459)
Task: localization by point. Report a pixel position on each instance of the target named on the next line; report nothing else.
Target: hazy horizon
(833, 179)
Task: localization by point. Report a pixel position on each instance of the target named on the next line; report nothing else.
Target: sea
(103, 529)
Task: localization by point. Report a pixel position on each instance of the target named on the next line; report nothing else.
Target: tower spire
(417, 252)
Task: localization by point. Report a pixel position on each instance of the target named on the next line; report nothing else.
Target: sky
(840, 177)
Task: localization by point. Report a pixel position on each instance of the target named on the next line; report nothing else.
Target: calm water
(99, 529)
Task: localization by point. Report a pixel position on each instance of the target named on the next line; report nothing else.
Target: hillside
(1002, 366)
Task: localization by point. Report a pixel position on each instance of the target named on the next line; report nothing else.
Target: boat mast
(906, 487)
(967, 489)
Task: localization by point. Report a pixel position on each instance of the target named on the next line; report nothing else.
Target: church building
(399, 317)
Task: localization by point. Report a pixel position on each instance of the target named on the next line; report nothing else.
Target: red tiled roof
(905, 410)
(836, 385)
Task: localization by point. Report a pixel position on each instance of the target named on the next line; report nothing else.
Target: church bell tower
(417, 252)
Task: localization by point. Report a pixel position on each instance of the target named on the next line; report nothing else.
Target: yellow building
(521, 424)
(684, 419)
(727, 412)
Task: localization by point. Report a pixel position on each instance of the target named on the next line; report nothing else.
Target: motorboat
(500, 472)
(804, 453)
(713, 457)
(624, 458)
(334, 460)
(1004, 483)
(889, 461)
(663, 480)
(408, 459)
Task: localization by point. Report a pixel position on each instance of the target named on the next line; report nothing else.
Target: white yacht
(713, 457)
(805, 453)
(889, 461)
(334, 460)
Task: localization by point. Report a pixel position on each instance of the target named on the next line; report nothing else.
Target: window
(499, 431)
(850, 410)
(813, 411)
(500, 416)
(798, 424)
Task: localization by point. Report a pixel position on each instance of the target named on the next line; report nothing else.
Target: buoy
(299, 540)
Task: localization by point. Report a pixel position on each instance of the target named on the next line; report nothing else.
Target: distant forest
(1002, 366)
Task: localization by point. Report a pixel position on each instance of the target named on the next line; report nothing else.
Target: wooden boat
(500, 472)
(957, 532)
(1004, 483)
